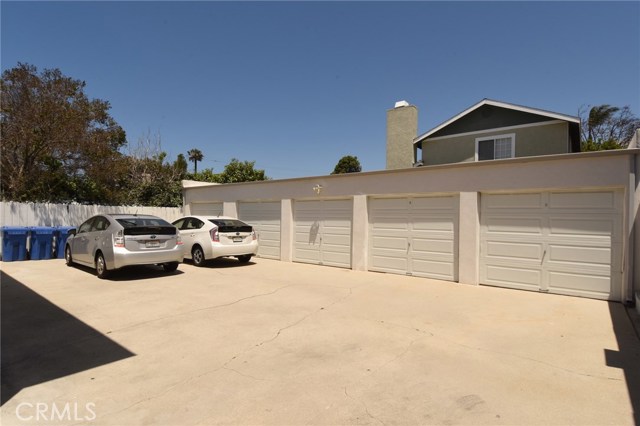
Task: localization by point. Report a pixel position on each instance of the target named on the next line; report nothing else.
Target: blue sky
(294, 86)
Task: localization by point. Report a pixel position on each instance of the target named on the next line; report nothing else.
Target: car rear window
(146, 226)
(231, 225)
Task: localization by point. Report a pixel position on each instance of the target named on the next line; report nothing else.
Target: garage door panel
(384, 242)
(582, 200)
(513, 201)
(580, 255)
(531, 278)
(335, 259)
(515, 250)
(336, 226)
(514, 225)
(432, 223)
(390, 223)
(571, 244)
(424, 245)
(307, 206)
(432, 203)
(340, 206)
(580, 226)
(269, 235)
(432, 269)
(307, 255)
(578, 284)
(264, 216)
(337, 240)
(306, 237)
(323, 232)
(414, 235)
(389, 263)
(383, 204)
(433, 235)
(269, 251)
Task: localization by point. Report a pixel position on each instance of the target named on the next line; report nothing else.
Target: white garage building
(561, 224)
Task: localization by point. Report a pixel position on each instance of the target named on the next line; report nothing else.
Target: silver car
(208, 237)
(111, 241)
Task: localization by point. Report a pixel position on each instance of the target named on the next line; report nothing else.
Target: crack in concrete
(557, 367)
(305, 317)
(224, 305)
(408, 328)
(548, 364)
(400, 355)
(245, 375)
(224, 366)
(366, 409)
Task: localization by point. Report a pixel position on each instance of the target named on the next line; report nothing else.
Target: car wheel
(67, 256)
(170, 267)
(101, 267)
(245, 258)
(197, 255)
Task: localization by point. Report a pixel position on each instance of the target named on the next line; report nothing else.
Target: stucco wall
(402, 128)
(541, 139)
(597, 170)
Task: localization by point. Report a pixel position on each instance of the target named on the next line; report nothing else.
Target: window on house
(495, 147)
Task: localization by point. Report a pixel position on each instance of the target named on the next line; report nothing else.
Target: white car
(206, 238)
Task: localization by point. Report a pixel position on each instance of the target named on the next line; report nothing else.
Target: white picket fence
(40, 214)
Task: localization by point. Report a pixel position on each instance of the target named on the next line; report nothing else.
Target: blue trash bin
(62, 233)
(14, 243)
(41, 242)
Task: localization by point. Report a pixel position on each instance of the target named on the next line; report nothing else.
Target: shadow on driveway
(627, 357)
(223, 262)
(131, 273)
(41, 342)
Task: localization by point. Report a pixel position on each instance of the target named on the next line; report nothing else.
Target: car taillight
(214, 235)
(118, 239)
(179, 240)
(254, 236)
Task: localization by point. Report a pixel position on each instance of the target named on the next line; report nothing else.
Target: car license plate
(153, 244)
(237, 239)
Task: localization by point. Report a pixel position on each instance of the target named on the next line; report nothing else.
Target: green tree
(195, 155)
(207, 175)
(57, 144)
(347, 164)
(607, 127)
(180, 166)
(237, 171)
(150, 180)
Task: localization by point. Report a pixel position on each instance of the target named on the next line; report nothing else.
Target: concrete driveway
(291, 344)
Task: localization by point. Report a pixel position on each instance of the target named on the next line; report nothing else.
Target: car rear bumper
(123, 257)
(222, 250)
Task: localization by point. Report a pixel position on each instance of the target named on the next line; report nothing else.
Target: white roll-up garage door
(265, 218)
(414, 236)
(206, 209)
(559, 242)
(323, 232)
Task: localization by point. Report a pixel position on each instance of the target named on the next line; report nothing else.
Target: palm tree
(195, 155)
(598, 116)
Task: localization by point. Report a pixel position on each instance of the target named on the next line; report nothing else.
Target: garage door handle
(544, 253)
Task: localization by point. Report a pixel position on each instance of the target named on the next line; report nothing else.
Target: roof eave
(500, 104)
